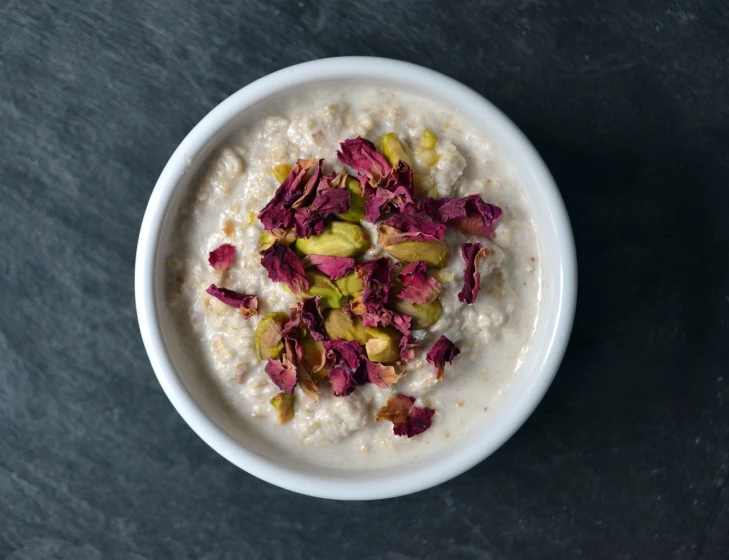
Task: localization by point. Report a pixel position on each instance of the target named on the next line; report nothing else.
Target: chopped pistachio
(321, 285)
(427, 140)
(339, 239)
(281, 171)
(424, 315)
(444, 276)
(356, 210)
(267, 239)
(350, 285)
(393, 150)
(284, 405)
(353, 186)
(267, 337)
(339, 325)
(383, 344)
(433, 253)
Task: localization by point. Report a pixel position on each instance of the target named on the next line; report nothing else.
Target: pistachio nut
(428, 140)
(281, 171)
(339, 239)
(266, 239)
(356, 211)
(339, 325)
(284, 405)
(433, 253)
(424, 315)
(321, 285)
(383, 344)
(315, 358)
(350, 285)
(267, 337)
(394, 150)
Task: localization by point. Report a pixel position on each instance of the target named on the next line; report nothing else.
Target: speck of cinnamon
(180, 279)
(228, 228)
(489, 181)
(460, 403)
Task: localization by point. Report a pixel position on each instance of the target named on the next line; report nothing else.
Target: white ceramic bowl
(194, 401)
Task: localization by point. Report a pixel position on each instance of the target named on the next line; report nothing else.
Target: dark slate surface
(628, 455)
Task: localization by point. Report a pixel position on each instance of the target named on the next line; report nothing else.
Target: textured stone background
(628, 455)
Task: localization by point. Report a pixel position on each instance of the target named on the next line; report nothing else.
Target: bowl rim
(148, 246)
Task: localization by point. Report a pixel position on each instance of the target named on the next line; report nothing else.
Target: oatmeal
(418, 256)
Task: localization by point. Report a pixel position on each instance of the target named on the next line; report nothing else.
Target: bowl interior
(200, 404)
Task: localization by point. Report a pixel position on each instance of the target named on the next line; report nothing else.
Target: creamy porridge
(449, 160)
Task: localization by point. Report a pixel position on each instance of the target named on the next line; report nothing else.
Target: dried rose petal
(394, 195)
(401, 228)
(418, 285)
(222, 257)
(407, 420)
(283, 375)
(361, 155)
(292, 328)
(312, 317)
(381, 375)
(469, 214)
(347, 358)
(277, 213)
(396, 410)
(309, 188)
(283, 265)
(348, 352)
(472, 253)
(304, 374)
(442, 351)
(332, 201)
(310, 221)
(403, 323)
(247, 304)
(401, 176)
(375, 276)
(420, 419)
(341, 378)
(334, 267)
(383, 201)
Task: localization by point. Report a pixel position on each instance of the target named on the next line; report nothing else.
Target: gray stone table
(628, 455)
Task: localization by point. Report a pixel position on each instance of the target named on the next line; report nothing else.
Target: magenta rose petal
(401, 228)
(420, 419)
(469, 214)
(284, 376)
(347, 358)
(334, 267)
(472, 254)
(248, 304)
(442, 352)
(312, 317)
(361, 155)
(283, 265)
(222, 257)
(381, 375)
(418, 285)
(407, 420)
(277, 214)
